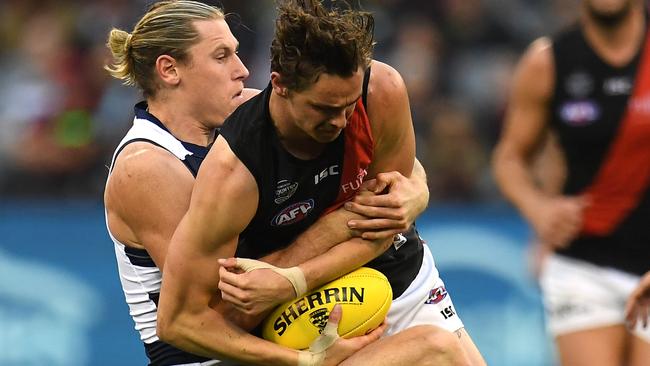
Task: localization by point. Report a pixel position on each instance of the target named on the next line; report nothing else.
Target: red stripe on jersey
(359, 147)
(625, 173)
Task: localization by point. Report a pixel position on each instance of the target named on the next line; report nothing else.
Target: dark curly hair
(311, 40)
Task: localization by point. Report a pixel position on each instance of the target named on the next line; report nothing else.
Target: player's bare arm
(392, 128)
(525, 124)
(186, 316)
(143, 209)
(556, 219)
(256, 292)
(394, 156)
(371, 210)
(393, 212)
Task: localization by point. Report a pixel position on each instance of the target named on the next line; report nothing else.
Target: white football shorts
(425, 302)
(579, 295)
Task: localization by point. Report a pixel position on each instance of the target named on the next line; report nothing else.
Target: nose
(340, 120)
(241, 72)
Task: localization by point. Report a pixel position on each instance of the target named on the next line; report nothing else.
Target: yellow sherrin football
(365, 296)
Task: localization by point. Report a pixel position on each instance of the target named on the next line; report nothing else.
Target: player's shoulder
(248, 118)
(246, 131)
(534, 76)
(143, 165)
(249, 93)
(224, 168)
(385, 82)
(538, 57)
(222, 162)
(386, 91)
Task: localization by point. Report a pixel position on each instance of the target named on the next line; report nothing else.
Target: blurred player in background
(296, 134)
(177, 53)
(589, 85)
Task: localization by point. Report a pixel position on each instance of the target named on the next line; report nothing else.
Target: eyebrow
(327, 106)
(224, 46)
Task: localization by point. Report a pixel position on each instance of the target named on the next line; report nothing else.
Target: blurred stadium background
(61, 116)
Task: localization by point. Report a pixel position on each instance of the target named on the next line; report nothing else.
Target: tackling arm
(209, 231)
(373, 215)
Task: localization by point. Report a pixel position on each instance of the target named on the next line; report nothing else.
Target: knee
(444, 346)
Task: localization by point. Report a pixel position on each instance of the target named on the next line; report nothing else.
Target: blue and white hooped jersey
(140, 278)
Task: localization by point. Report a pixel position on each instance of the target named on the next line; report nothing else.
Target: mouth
(331, 134)
(238, 94)
(329, 129)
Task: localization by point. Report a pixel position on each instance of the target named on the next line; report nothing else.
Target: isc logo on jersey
(293, 213)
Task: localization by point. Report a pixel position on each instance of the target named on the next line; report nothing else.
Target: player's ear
(167, 70)
(278, 87)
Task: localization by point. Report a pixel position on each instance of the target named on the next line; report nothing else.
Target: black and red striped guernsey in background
(602, 116)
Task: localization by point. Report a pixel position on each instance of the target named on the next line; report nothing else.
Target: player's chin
(327, 137)
(238, 99)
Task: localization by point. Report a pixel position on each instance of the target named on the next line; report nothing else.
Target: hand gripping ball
(365, 296)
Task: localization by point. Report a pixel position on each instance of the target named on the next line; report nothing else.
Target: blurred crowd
(61, 115)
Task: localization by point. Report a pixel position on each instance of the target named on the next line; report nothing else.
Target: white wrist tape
(315, 356)
(307, 358)
(293, 274)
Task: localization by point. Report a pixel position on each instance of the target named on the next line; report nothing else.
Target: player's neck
(616, 44)
(180, 123)
(292, 138)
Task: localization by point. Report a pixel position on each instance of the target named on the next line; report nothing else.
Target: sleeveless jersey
(602, 117)
(294, 193)
(140, 277)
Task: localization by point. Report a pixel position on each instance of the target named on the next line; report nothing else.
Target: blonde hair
(166, 29)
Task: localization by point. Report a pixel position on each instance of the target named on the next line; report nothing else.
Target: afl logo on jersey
(293, 213)
(579, 113)
(436, 295)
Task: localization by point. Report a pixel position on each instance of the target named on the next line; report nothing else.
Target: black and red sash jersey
(601, 114)
(294, 193)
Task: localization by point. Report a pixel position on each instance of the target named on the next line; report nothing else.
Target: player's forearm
(341, 259)
(419, 176)
(513, 176)
(327, 232)
(187, 315)
(332, 229)
(208, 334)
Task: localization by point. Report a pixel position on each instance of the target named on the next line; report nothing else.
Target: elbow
(497, 157)
(169, 330)
(166, 331)
(501, 156)
(383, 245)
